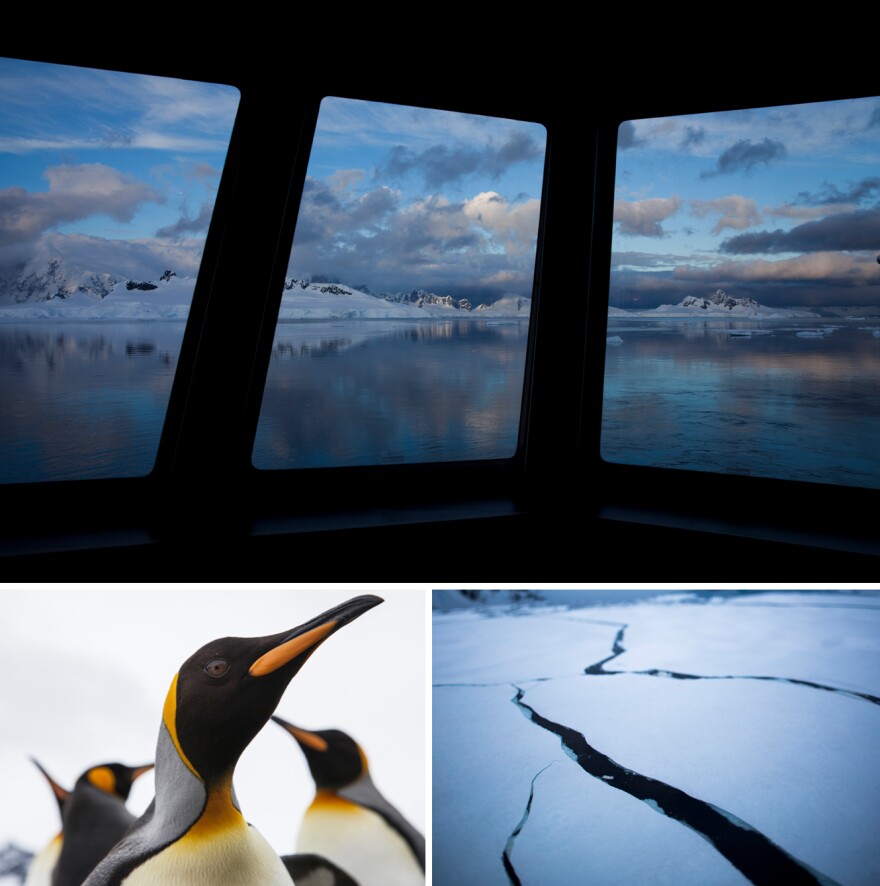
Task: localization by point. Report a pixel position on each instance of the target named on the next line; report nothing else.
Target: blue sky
(113, 172)
(400, 197)
(777, 204)
(116, 173)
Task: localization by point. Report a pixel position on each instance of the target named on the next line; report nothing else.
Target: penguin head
(225, 693)
(115, 779)
(334, 757)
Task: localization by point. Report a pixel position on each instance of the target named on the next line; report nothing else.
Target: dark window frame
(559, 513)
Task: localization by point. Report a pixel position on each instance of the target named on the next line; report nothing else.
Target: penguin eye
(216, 667)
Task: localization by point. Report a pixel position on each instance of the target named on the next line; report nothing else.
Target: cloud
(827, 278)
(736, 212)
(328, 212)
(745, 155)
(67, 107)
(514, 224)
(791, 210)
(830, 195)
(627, 138)
(845, 231)
(823, 267)
(185, 225)
(643, 217)
(656, 260)
(439, 165)
(694, 135)
(75, 192)
(874, 120)
(483, 245)
(83, 253)
(344, 179)
(202, 171)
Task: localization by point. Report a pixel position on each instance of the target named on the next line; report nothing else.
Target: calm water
(83, 400)
(367, 392)
(80, 400)
(688, 394)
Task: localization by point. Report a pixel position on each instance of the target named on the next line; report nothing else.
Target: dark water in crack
(756, 857)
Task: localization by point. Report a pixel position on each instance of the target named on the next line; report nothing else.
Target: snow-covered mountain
(304, 300)
(719, 304)
(56, 292)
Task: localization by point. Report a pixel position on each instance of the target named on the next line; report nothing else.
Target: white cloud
(735, 212)
(75, 192)
(516, 224)
(643, 217)
(816, 266)
(791, 210)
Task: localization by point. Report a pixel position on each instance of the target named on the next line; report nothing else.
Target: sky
(112, 172)
(400, 198)
(781, 205)
(87, 669)
(116, 173)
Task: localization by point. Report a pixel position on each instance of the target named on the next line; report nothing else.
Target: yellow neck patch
(220, 815)
(327, 800)
(103, 778)
(169, 717)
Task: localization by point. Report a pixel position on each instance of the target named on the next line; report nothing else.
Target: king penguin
(93, 819)
(43, 863)
(349, 821)
(194, 834)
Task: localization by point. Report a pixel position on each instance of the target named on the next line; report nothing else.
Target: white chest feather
(239, 857)
(40, 870)
(361, 843)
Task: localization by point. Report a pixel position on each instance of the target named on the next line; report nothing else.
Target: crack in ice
(747, 849)
(657, 672)
(598, 670)
(508, 848)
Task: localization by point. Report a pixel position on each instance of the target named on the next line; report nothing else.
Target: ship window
(744, 304)
(107, 186)
(404, 321)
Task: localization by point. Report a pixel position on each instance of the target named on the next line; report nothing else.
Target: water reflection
(774, 404)
(83, 402)
(391, 391)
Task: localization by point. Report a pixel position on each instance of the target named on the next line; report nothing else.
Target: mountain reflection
(391, 391)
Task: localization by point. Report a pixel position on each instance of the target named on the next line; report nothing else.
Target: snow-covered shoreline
(170, 300)
(721, 306)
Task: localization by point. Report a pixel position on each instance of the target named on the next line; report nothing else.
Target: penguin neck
(206, 799)
(326, 792)
(221, 811)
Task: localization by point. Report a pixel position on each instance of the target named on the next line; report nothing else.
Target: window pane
(744, 318)
(107, 184)
(404, 321)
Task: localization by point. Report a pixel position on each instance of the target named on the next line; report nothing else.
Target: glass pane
(107, 185)
(404, 321)
(744, 307)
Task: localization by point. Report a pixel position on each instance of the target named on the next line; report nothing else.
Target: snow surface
(717, 305)
(795, 762)
(171, 301)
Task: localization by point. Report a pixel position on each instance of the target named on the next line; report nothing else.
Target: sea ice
(794, 762)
